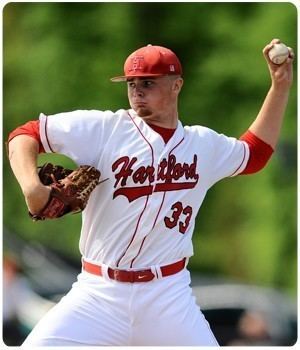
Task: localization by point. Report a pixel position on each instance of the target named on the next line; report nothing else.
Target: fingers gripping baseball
(69, 190)
(280, 62)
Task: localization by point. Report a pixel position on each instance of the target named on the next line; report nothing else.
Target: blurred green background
(59, 57)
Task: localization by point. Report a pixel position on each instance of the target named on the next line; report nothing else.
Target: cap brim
(126, 77)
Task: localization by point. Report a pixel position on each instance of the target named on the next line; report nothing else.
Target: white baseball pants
(98, 311)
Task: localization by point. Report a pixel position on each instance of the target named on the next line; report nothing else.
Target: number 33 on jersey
(145, 213)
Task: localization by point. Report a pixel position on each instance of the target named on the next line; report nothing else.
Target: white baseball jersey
(144, 214)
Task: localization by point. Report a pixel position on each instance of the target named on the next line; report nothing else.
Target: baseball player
(136, 235)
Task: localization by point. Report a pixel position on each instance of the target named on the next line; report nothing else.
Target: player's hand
(282, 74)
(37, 197)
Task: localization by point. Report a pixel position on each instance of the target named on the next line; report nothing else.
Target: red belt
(134, 276)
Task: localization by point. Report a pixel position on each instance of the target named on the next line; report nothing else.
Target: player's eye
(131, 84)
(147, 83)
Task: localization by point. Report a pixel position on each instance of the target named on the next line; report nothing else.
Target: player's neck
(162, 123)
(168, 120)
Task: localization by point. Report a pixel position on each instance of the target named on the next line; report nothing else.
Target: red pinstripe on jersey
(140, 249)
(146, 202)
(242, 162)
(46, 134)
(161, 204)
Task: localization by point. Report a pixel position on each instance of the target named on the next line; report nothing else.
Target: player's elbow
(255, 164)
(259, 153)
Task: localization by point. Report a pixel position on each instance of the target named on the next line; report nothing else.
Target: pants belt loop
(104, 269)
(157, 272)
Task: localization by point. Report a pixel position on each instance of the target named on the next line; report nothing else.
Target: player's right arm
(23, 151)
(73, 134)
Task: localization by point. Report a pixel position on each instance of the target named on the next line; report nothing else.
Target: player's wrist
(281, 87)
(280, 90)
(37, 198)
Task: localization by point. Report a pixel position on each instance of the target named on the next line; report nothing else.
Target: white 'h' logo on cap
(137, 63)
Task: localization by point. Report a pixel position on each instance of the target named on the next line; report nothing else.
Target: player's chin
(142, 111)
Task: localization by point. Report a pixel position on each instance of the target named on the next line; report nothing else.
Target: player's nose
(138, 91)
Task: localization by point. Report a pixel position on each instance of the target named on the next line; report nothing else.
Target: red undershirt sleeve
(31, 128)
(260, 153)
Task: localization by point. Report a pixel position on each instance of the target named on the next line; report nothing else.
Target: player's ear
(178, 82)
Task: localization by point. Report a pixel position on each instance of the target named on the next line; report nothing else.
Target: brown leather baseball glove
(70, 189)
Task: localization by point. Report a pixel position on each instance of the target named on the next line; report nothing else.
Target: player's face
(153, 96)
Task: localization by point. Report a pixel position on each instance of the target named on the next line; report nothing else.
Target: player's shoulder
(88, 115)
(91, 113)
(199, 131)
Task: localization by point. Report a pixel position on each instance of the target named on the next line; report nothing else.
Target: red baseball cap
(150, 61)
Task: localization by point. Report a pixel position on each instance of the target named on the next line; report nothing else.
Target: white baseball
(279, 53)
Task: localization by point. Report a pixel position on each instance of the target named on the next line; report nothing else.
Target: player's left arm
(263, 134)
(268, 122)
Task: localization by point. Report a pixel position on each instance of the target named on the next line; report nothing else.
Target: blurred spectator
(12, 283)
(252, 330)
(22, 306)
(244, 314)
